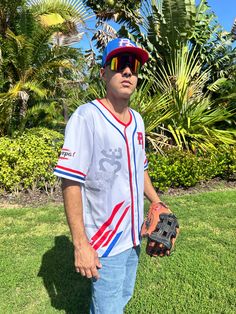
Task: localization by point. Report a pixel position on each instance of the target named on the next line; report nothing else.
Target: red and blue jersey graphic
(106, 236)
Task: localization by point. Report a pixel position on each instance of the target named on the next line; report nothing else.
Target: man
(104, 171)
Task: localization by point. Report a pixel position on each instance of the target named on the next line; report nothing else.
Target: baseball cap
(120, 45)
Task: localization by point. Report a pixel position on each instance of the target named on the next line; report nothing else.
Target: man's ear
(102, 73)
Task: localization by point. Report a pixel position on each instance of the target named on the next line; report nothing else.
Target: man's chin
(126, 94)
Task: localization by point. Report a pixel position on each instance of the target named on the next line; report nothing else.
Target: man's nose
(127, 71)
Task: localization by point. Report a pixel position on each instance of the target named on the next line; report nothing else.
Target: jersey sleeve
(76, 153)
(145, 156)
(145, 163)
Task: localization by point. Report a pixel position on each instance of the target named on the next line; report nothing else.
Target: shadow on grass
(67, 290)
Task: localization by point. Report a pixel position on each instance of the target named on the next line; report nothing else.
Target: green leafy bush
(184, 169)
(27, 161)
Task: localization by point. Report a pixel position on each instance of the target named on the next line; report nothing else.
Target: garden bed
(37, 197)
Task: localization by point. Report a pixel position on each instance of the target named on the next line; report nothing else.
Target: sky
(225, 11)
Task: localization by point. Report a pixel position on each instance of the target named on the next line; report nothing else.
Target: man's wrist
(156, 201)
(80, 243)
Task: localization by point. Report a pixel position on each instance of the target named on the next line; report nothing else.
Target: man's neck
(119, 107)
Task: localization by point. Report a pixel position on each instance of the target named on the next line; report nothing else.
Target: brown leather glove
(161, 228)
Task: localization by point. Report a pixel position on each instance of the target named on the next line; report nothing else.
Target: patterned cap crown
(120, 45)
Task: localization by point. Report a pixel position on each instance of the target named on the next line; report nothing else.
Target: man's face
(120, 76)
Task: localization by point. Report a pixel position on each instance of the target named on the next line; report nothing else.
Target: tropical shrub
(184, 169)
(196, 120)
(27, 161)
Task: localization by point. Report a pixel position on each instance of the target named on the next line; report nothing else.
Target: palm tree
(233, 31)
(190, 55)
(194, 119)
(31, 65)
(70, 14)
(162, 26)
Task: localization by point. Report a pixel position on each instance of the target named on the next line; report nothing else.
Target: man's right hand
(87, 261)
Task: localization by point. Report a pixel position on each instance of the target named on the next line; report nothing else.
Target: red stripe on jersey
(131, 188)
(117, 226)
(71, 170)
(106, 223)
(101, 240)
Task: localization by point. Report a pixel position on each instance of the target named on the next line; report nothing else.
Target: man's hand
(86, 258)
(161, 229)
(87, 261)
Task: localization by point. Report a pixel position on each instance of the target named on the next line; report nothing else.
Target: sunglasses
(120, 62)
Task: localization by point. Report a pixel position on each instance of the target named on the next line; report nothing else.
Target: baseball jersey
(107, 157)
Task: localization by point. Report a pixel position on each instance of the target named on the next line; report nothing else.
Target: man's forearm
(86, 258)
(149, 190)
(74, 211)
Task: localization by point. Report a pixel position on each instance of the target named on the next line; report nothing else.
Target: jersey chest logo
(110, 161)
(140, 139)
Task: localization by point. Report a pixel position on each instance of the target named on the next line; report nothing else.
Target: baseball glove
(160, 227)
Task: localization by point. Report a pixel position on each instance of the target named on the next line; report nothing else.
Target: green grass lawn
(37, 273)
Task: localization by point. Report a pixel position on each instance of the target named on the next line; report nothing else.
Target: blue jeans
(112, 291)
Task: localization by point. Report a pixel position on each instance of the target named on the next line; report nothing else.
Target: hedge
(184, 169)
(27, 162)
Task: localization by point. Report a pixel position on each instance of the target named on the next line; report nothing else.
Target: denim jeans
(112, 291)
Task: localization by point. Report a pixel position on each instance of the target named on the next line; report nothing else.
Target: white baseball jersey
(107, 157)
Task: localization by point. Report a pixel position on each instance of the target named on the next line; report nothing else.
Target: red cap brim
(139, 52)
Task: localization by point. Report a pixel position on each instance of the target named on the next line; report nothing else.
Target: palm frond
(53, 12)
(214, 87)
